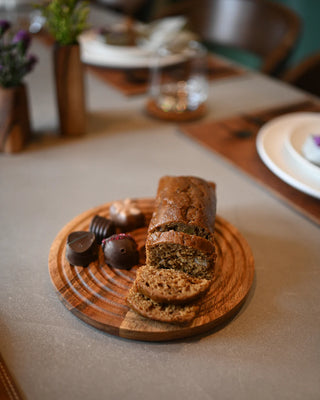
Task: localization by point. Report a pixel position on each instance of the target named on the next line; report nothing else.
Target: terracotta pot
(14, 119)
(70, 91)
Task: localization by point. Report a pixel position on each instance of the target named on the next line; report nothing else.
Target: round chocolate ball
(120, 251)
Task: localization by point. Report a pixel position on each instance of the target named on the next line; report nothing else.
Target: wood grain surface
(136, 81)
(9, 389)
(15, 127)
(96, 294)
(70, 89)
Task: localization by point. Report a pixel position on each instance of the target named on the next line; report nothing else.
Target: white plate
(96, 52)
(298, 137)
(274, 152)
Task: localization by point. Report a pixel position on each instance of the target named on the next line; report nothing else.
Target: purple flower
(4, 26)
(15, 63)
(23, 38)
(316, 139)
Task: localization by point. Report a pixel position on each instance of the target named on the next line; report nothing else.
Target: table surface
(270, 350)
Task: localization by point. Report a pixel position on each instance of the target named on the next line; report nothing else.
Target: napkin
(168, 32)
(161, 32)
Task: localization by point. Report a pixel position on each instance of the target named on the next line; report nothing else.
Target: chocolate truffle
(82, 248)
(102, 227)
(120, 251)
(126, 215)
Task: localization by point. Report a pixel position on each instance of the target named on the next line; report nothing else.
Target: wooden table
(270, 350)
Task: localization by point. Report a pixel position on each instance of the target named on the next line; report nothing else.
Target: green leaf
(66, 19)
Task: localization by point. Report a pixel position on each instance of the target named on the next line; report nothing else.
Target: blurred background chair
(267, 30)
(306, 74)
(124, 6)
(137, 9)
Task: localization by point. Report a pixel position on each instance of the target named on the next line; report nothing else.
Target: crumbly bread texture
(180, 251)
(185, 204)
(168, 285)
(171, 313)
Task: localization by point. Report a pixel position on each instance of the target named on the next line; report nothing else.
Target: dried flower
(66, 19)
(14, 61)
(4, 26)
(23, 39)
(32, 60)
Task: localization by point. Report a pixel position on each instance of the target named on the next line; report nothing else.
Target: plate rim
(132, 62)
(93, 36)
(271, 164)
(298, 156)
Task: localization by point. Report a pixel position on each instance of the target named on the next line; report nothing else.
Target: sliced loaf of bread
(180, 251)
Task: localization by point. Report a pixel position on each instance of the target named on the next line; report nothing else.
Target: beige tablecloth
(270, 350)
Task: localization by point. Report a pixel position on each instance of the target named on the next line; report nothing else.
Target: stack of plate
(95, 51)
(279, 144)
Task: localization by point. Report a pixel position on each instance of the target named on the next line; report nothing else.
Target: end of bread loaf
(185, 204)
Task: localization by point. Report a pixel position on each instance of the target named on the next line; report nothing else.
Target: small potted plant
(15, 63)
(65, 21)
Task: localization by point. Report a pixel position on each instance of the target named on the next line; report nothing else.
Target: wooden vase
(14, 119)
(70, 90)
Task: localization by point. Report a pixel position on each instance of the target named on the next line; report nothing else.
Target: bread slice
(169, 285)
(181, 251)
(171, 313)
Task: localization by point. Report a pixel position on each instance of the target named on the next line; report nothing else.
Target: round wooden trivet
(96, 294)
(184, 116)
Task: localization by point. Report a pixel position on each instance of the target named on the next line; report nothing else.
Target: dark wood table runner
(136, 81)
(8, 387)
(235, 139)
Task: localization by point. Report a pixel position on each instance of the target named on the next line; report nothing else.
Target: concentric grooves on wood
(96, 294)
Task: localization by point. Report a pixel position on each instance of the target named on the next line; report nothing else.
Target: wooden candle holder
(69, 80)
(14, 119)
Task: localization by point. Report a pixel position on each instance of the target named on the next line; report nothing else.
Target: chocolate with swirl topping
(126, 215)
